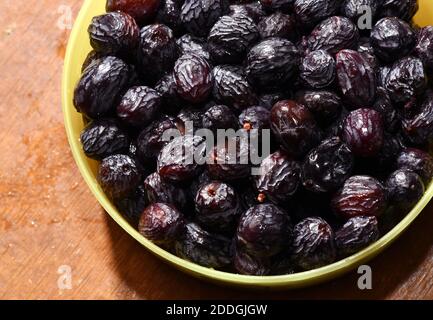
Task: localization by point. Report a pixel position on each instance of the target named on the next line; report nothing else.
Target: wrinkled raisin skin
(264, 231)
(100, 87)
(113, 33)
(356, 234)
(356, 78)
(363, 132)
(217, 207)
(405, 188)
(279, 177)
(294, 126)
(417, 160)
(318, 69)
(193, 77)
(159, 190)
(313, 244)
(205, 248)
(161, 223)
(360, 196)
(139, 106)
(118, 176)
(327, 166)
(103, 138)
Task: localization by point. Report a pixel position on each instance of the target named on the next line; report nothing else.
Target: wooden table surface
(49, 218)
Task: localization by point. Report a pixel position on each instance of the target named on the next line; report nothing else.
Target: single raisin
(363, 132)
(405, 188)
(103, 138)
(264, 231)
(272, 62)
(161, 224)
(392, 39)
(313, 244)
(207, 249)
(254, 10)
(157, 51)
(318, 69)
(327, 166)
(418, 161)
(356, 234)
(232, 88)
(278, 179)
(193, 76)
(360, 196)
(114, 33)
(139, 106)
(230, 38)
(294, 127)
(118, 176)
(217, 207)
(356, 78)
(99, 89)
(333, 34)
(191, 44)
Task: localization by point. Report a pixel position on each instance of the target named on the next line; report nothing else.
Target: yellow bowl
(78, 47)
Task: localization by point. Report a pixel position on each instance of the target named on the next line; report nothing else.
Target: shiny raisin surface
(205, 248)
(114, 32)
(278, 25)
(278, 179)
(392, 39)
(193, 76)
(100, 86)
(230, 38)
(217, 207)
(360, 196)
(264, 230)
(313, 244)
(363, 132)
(159, 190)
(356, 234)
(356, 78)
(139, 106)
(232, 88)
(310, 12)
(318, 69)
(328, 166)
(272, 62)
(103, 138)
(161, 223)
(294, 126)
(405, 188)
(118, 175)
(417, 160)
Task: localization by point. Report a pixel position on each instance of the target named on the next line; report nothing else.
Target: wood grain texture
(48, 217)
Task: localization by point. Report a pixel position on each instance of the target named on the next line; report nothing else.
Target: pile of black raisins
(350, 112)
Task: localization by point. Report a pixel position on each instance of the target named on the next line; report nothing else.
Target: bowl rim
(290, 281)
